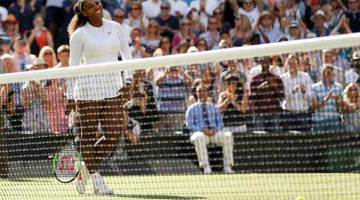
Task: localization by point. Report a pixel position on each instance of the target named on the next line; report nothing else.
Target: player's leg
(89, 112)
(226, 140)
(200, 140)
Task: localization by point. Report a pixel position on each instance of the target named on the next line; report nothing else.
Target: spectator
(178, 8)
(11, 27)
(297, 88)
(206, 126)
(267, 92)
(353, 74)
(326, 102)
(353, 14)
(234, 103)
(24, 12)
(13, 110)
(320, 28)
(165, 46)
(22, 54)
(185, 34)
(8, 63)
(351, 110)
(202, 45)
(266, 28)
(5, 45)
(250, 10)
(242, 31)
(172, 85)
(232, 68)
(329, 58)
(223, 25)
(138, 50)
(136, 19)
(196, 26)
(39, 36)
(119, 16)
(151, 40)
(212, 36)
(168, 23)
(151, 8)
(296, 31)
(143, 106)
(342, 27)
(63, 55)
(48, 55)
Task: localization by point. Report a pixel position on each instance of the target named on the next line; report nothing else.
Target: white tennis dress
(91, 45)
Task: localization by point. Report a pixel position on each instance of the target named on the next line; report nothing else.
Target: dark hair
(78, 19)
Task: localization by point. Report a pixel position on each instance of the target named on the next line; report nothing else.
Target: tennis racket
(66, 162)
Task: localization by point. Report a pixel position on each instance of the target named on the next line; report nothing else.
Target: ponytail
(78, 19)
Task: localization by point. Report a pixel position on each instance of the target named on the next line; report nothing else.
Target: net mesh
(263, 126)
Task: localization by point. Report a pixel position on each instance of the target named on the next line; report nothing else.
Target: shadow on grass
(151, 196)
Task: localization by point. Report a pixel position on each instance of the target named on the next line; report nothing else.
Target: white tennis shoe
(81, 179)
(100, 186)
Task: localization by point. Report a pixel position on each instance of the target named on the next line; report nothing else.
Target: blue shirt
(328, 111)
(195, 120)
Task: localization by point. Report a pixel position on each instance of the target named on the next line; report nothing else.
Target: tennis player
(99, 98)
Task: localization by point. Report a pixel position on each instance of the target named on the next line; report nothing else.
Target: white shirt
(253, 15)
(209, 9)
(151, 8)
(178, 6)
(90, 45)
(3, 13)
(297, 101)
(351, 76)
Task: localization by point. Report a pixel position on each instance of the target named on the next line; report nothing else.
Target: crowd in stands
(312, 91)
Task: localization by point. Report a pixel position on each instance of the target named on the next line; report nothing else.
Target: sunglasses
(47, 53)
(135, 8)
(164, 8)
(119, 16)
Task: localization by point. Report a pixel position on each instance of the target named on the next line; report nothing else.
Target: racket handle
(99, 140)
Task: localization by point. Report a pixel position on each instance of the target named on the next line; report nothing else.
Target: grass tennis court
(335, 186)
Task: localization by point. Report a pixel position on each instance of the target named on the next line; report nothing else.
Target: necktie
(205, 115)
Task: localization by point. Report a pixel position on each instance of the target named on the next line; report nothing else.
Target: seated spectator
(234, 103)
(343, 27)
(351, 108)
(39, 36)
(63, 55)
(219, 14)
(193, 98)
(212, 35)
(353, 74)
(266, 94)
(326, 102)
(151, 40)
(353, 14)
(5, 45)
(48, 55)
(266, 28)
(297, 31)
(320, 28)
(168, 23)
(172, 85)
(193, 70)
(297, 88)
(201, 45)
(165, 46)
(242, 31)
(205, 123)
(205, 8)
